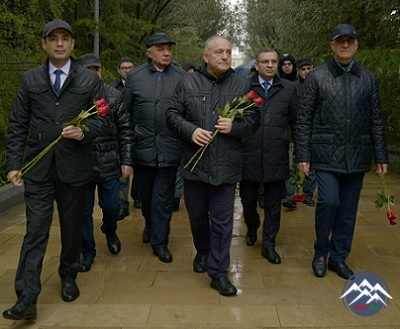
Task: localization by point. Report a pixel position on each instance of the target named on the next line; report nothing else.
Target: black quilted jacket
(339, 121)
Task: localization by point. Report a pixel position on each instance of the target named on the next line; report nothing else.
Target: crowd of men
(159, 116)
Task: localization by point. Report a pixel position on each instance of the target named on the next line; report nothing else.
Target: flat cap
(89, 60)
(344, 29)
(56, 24)
(303, 61)
(159, 39)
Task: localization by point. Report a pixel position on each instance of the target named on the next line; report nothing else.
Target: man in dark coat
(49, 96)
(266, 153)
(210, 186)
(156, 152)
(339, 124)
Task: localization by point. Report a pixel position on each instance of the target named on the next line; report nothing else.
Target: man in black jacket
(210, 187)
(266, 153)
(112, 154)
(156, 151)
(49, 96)
(339, 123)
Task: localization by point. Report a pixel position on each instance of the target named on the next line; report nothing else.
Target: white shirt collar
(64, 68)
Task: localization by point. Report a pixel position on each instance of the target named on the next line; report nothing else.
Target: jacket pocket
(322, 148)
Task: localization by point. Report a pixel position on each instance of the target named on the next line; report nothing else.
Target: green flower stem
(201, 150)
(385, 192)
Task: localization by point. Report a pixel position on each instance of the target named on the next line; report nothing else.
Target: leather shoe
(271, 255)
(341, 269)
(137, 204)
(289, 204)
(309, 202)
(163, 254)
(200, 263)
(85, 264)
(69, 289)
(146, 235)
(251, 237)
(113, 244)
(123, 212)
(223, 286)
(319, 266)
(22, 310)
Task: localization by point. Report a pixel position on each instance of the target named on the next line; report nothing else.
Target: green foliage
(3, 174)
(382, 198)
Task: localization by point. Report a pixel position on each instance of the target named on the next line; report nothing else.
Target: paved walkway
(136, 290)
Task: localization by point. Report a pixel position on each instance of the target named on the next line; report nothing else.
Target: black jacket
(148, 94)
(115, 148)
(266, 153)
(340, 120)
(194, 105)
(117, 84)
(37, 119)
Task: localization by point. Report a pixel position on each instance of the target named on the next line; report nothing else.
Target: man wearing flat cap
(339, 127)
(49, 96)
(156, 152)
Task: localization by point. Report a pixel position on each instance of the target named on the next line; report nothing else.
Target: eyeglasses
(126, 68)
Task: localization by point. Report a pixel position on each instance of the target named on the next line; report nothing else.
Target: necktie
(57, 82)
(267, 85)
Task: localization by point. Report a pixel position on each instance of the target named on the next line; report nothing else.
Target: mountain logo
(366, 293)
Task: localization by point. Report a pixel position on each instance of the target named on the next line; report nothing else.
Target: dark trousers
(335, 213)
(109, 202)
(157, 187)
(39, 200)
(210, 210)
(273, 194)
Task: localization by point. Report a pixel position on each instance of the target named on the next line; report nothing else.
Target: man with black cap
(112, 154)
(48, 96)
(339, 126)
(156, 154)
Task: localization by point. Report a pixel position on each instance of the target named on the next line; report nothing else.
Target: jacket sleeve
(125, 131)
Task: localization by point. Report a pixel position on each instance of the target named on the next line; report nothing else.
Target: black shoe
(289, 204)
(69, 289)
(163, 254)
(123, 212)
(176, 204)
(146, 235)
(200, 263)
(137, 204)
(85, 264)
(309, 202)
(271, 255)
(261, 203)
(113, 244)
(319, 266)
(223, 286)
(251, 237)
(341, 269)
(22, 310)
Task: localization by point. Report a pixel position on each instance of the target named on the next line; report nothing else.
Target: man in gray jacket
(210, 187)
(339, 123)
(156, 151)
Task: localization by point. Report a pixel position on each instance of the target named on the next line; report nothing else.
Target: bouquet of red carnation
(384, 197)
(238, 108)
(297, 180)
(100, 107)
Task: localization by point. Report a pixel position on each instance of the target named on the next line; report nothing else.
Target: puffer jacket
(194, 105)
(37, 119)
(114, 149)
(148, 95)
(266, 153)
(339, 120)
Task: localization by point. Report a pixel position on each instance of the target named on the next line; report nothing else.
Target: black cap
(56, 24)
(303, 61)
(188, 66)
(344, 29)
(89, 60)
(159, 39)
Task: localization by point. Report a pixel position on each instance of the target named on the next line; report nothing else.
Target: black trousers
(157, 187)
(39, 200)
(273, 193)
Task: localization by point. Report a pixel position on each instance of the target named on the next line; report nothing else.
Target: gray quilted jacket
(339, 120)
